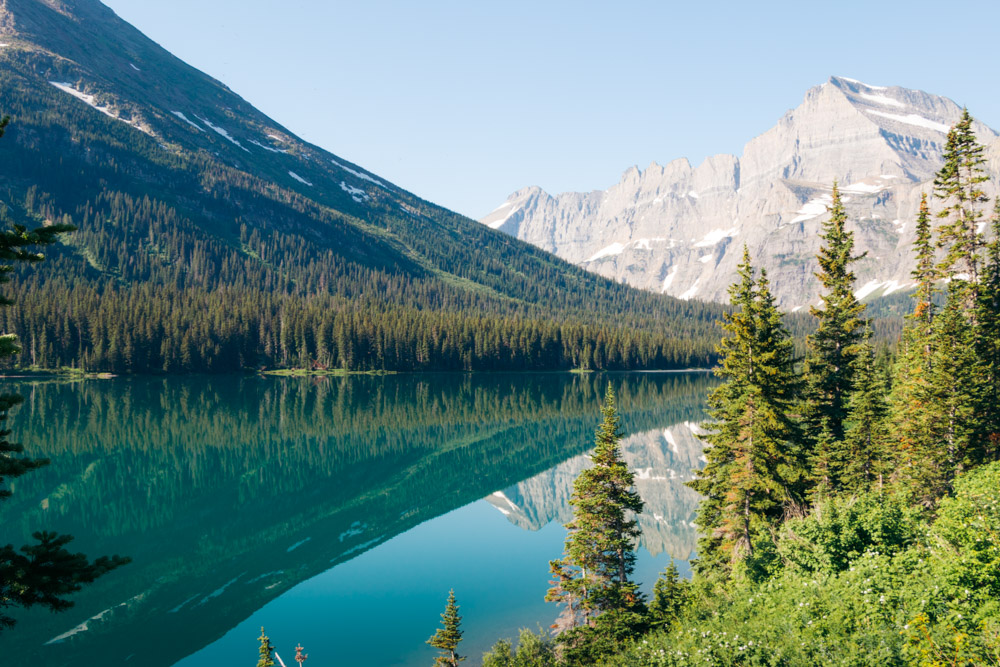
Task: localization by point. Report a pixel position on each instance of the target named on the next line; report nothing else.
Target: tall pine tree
(832, 350)
(754, 469)
(447, 638)
(989, 344)
(594, 576)
(959, 187)
(865, 465)
(916, 431)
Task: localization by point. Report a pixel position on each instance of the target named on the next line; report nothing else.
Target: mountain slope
(212, 238)
(677, 229)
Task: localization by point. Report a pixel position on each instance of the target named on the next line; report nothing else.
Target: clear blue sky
(464, 102)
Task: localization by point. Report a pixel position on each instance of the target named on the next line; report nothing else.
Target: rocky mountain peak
(677, 228)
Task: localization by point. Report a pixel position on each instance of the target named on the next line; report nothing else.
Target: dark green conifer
(754, 469)
(447, 638)
(989, 344)
(669, 597)
(593, 577)
(266, 651)
(865, 465)
(959, 186)
(832, 349)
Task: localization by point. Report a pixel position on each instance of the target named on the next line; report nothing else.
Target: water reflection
(229, 492)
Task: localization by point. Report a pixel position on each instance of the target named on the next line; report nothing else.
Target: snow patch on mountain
(691, 291)
(361, 175)
(882, 99)
(357, 194)
(298, 178)
(91, 101)
(613, 249)
(268, 148)
(221, 131)
(715, 236)
(188, 121)
(669, 279)
(912, 119)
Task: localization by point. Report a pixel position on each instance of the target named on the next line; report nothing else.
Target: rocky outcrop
(680, 229)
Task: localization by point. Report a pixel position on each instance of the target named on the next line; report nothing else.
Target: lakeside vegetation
(848, 517)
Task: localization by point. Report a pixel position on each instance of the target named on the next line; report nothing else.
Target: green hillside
(210, 238)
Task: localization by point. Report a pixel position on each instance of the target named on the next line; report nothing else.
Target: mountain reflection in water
(227, 492)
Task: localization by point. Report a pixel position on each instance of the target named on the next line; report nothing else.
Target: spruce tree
(955, 379)
(593, 577)
(916, 431)
(832, 349)
(669, 596)
(447, 638)
(989, 344)
(266, 650)
(865, 465)
(959, 186)
(925, 273)
(754, 470)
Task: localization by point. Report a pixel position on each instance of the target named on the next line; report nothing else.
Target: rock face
(663, 460)
(680, 229)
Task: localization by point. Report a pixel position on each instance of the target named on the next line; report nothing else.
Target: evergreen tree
(593, 577)
(669, 596)
(955, 379)
(925, 273)
(832, 350)
(989, 344)
(864, 466)
(959, 186)
(266, 650)
(916, 431)
(754, 469)
(447, 638)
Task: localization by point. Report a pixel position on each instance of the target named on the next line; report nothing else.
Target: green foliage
(447, 638)
(754, 469)
(669, 598)
(870, 581)
(266, 650)
(533, 650)
(832, 352)
(603, 607)
(959, 186)
(865, 465)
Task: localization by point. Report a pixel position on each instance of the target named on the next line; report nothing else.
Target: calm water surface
(335, 512)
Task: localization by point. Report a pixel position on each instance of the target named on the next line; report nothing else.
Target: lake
(335, 512)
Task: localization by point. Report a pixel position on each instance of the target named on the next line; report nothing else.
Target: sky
(464, 102)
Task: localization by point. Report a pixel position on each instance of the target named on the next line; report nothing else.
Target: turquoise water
(335, 512)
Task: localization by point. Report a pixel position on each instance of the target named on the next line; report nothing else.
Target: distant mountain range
(213, 238)
(679, 229)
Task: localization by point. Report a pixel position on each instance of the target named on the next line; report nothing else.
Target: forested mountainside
(679, 229)
(210, 238)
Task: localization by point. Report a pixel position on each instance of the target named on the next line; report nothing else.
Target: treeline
(150, 329)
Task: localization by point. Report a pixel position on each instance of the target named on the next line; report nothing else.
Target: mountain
(211, 238)
(679, 229)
